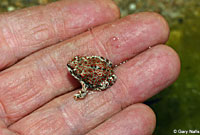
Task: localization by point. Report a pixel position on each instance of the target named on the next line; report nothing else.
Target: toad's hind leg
(82, 93)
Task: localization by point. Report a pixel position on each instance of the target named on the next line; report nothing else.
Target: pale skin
(36, 93)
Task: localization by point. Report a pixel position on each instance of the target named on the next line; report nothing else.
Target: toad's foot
(82, 93)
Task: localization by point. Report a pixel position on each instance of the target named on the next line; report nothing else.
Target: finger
(138, 80)
(28, 30)
(4, 130)
(43, 76)
(137, 119)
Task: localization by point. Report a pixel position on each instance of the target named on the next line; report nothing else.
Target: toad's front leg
(82, 93)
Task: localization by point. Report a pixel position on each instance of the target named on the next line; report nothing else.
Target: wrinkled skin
(36, 93)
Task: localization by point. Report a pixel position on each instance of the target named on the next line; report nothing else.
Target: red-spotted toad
(93, 72)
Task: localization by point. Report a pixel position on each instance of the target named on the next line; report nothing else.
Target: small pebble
(132, 6)
(11, 8)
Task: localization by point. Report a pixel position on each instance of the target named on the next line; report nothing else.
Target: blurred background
(178, 106)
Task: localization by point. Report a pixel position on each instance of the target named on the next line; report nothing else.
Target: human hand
(36, 94)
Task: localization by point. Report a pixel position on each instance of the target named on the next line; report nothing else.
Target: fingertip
(115, 8)
(150, 118)
(159, 25)
(167, 66)
(111, 5)
(173, 61)
(164, 24)
(146, 117)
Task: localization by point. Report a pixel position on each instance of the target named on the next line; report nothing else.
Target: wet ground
(178, 106)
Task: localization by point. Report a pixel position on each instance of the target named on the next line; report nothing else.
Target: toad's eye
(69, 66)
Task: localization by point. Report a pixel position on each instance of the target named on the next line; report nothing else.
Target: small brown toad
(93, 72)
